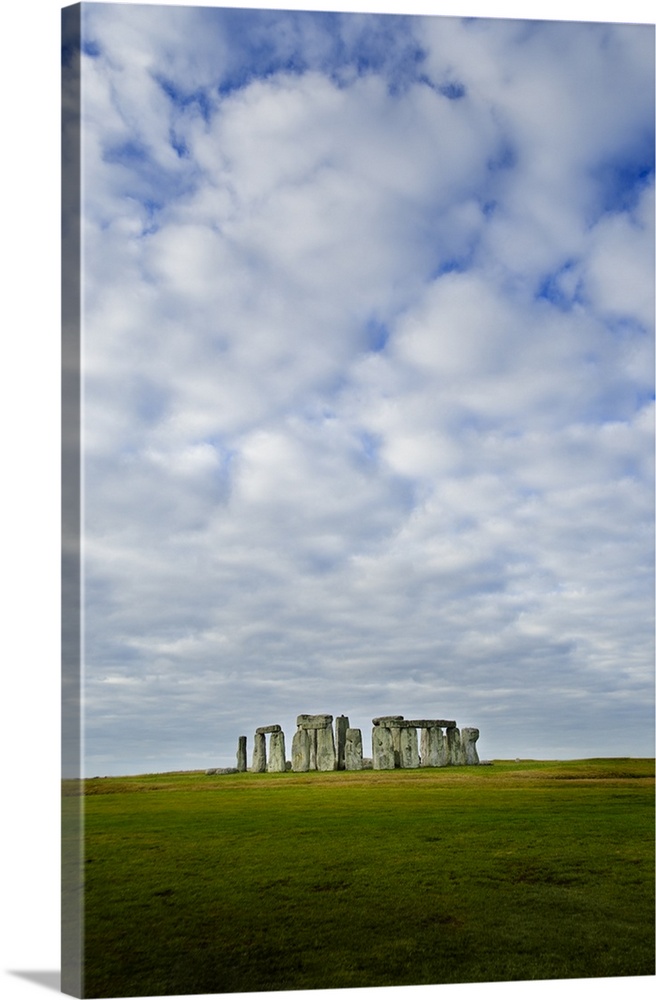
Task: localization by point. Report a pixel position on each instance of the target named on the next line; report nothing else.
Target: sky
(368, 328)
(30, 409)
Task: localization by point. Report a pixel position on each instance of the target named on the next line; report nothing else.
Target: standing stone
(428, 749)
(341, 726)
(259, 753)
(394, 723)
(408, 750)
(277, 761)
(443, 753)
(353, 750)
(454, 744)
(326, 756)
(468, 737)
(396, 743)
(433, 747)
(301, 750)
(312, 743)
(241, 754)
(382, 746)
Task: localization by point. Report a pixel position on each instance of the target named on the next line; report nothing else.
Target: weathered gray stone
(454, 744)
(301, 750)
(433, 748)
(259, 753)
(312, 737)
(408, 750)
(367, 764)
(341, 726)
(314, 721)
(277, 759)
(211, 770)
(241, 754)
(326, 756)
(383, 720)
(269, 729)
(396, 743)
(421, 724)
(382, 746)
(226, 770)
(353, 750)
(468, 737)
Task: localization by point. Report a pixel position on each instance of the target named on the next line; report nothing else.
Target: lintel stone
(314, 721)
(422, 724)
(269, 729)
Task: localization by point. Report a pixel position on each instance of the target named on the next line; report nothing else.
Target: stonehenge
(276, 759)
(438, 749)
(318, 746)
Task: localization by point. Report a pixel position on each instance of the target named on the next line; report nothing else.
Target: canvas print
(358, 397)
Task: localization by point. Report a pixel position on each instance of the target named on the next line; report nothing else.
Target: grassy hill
(249, 882)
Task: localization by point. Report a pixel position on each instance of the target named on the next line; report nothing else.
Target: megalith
(277, 761)
(320, 741)
(392, 722)
(259, 753)
(382, 746)
(241, 754)
(301, 750)
(433, 747)
(313, 721)
(408, 749)
(353, 750)
(312, 746)
(454, 744)
(341, 727)
(326, 756)
(468, 737)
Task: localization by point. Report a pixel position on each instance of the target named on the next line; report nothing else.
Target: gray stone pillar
(427, 748)
(312, 746)
(382, 748)
(454, 744)
(468, 737)
(259, 753)
(326, 756)
(301, 750)
(433, 748)
(389, 722)
(443, 750)
(241, 754)
(341, 726)
(353, 750)
(408, 750)
(277, 760)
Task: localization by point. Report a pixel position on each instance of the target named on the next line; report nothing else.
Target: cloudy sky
(368, 379)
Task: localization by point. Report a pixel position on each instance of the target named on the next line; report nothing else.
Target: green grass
(253, 882)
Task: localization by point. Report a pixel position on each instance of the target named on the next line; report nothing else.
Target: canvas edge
(72, 966)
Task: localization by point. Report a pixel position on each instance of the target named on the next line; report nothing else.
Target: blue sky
(368, 354)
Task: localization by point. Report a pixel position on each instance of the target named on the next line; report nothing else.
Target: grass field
(249, 882)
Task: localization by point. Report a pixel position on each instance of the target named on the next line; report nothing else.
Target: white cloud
(367, 417)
